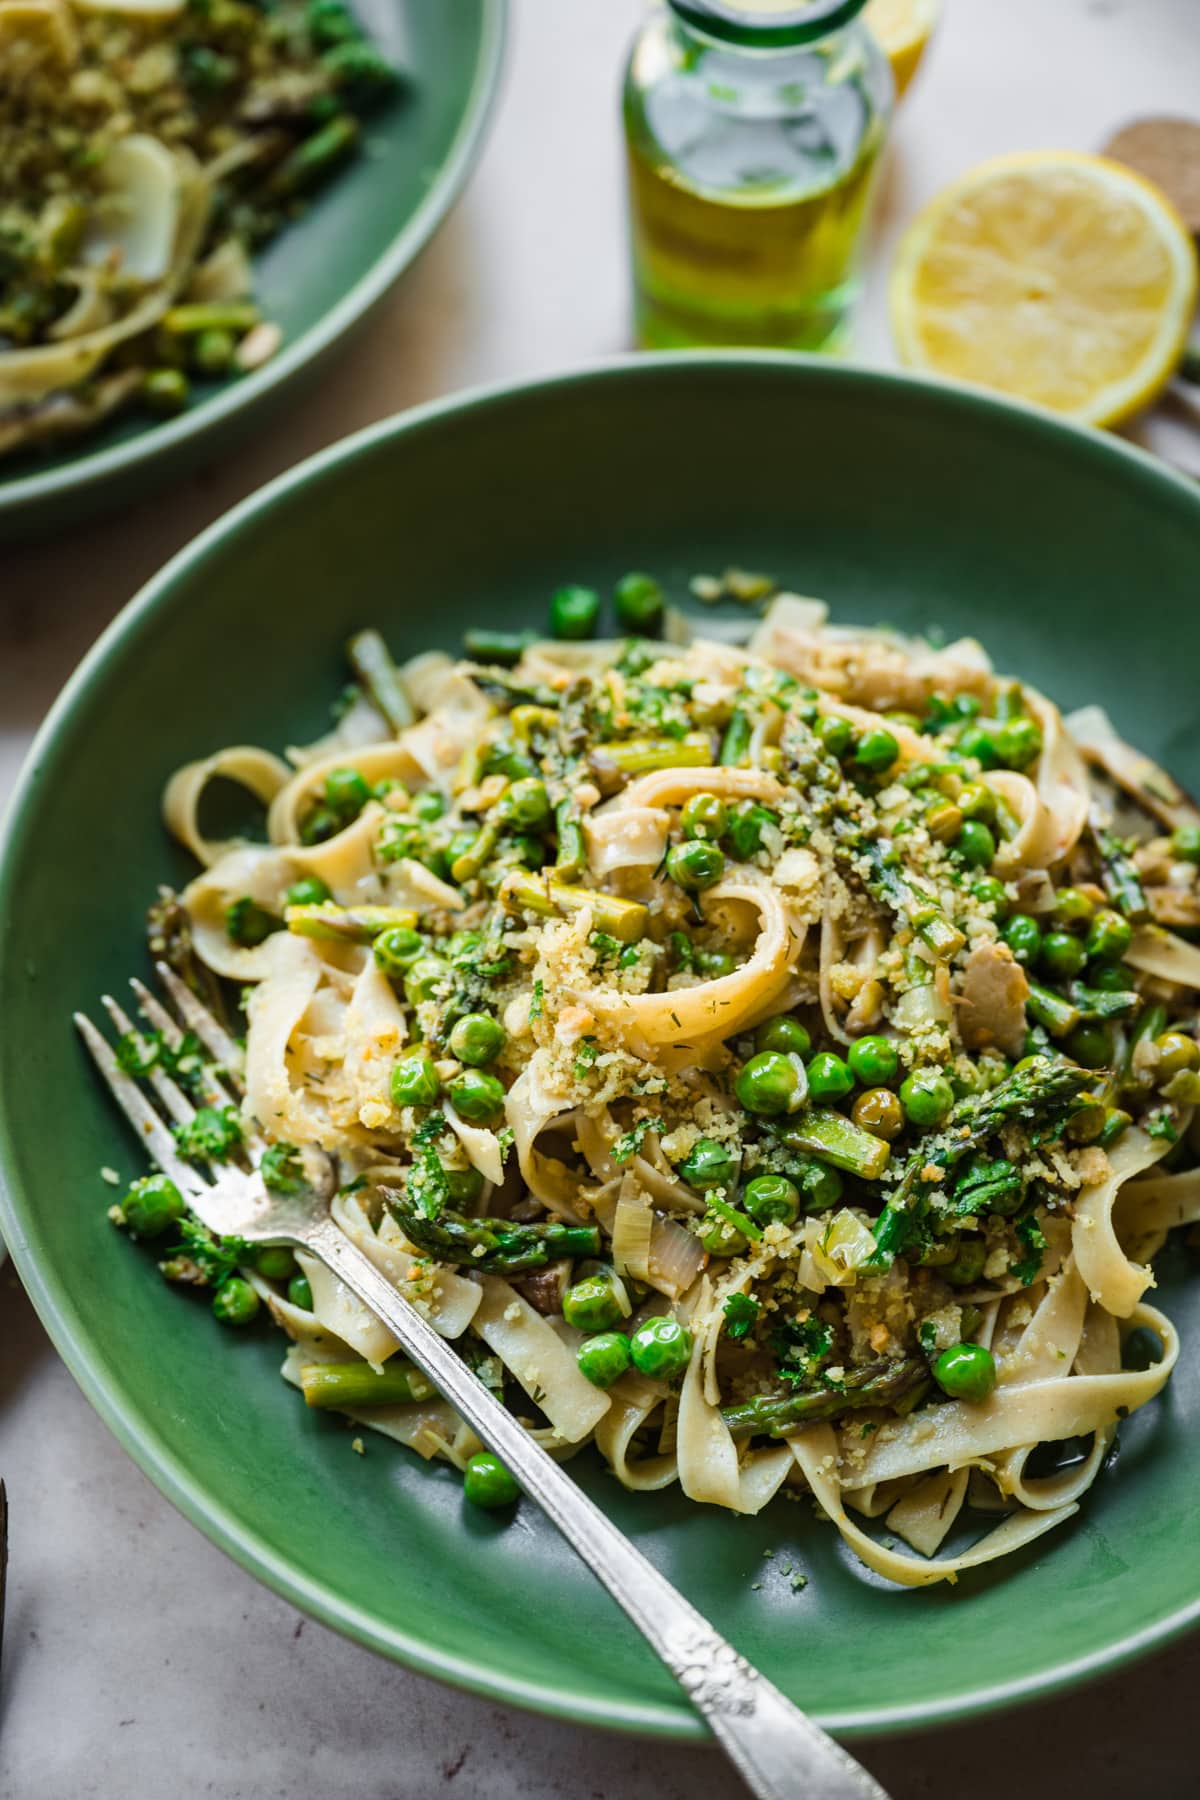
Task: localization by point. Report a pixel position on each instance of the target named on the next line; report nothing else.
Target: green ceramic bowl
(1074, 557)
(319, 279)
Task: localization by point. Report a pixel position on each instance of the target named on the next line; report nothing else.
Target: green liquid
(748, 206)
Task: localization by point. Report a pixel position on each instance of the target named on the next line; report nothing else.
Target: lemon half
(1061, 278)
(902, 29)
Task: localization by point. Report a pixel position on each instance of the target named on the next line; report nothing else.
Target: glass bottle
(753, 130)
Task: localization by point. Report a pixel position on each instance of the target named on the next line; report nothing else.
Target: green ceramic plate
(320, 278)
(1074, 557)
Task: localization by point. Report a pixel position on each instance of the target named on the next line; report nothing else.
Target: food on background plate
(1055, 277)
(775, 1064)
(148, 151)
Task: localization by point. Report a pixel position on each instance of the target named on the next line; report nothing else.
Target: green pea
(1090, 1045)
(769, 1084)
(1111, 978)
(967, 1267)
(486, 1481)
(574, 612)
(976, 845)
(639, 602)
(820, 1184)
(1023, 935)
(1176, 1053)
(719, 1237)
(310, 890)
(476, 1097)
(704, 816)
(873, 1060)
(415, 1081)
(213, 351)
(604, 1358)
(151, 1205)
(477, 1039)
(165, 392)
(926, 1097)
(661, 1348)
(784, 1034)
(429, 806)
(709, 1165)
(713, 963)
(835, 733)
(592, 1304)
(423, 977)
(463, 1186)
(346, 793)
(966, 1372)
(878, 1111)
(977, 801)
(772, 1197)
(299, 1293)
(1018, 743)
(235, 1302)
(397, 949)
(275, 1262)
(992, 894)
(695, 865)
(829, 1079)
(1185, 843)
(528, 804)
(248, 924)
(1109, 936)
(877, 750)
(1062, 954)
(746, 829)
(977, 741)
(319, 824)
(1072, 908)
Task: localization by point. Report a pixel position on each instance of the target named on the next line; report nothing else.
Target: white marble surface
(139, 1661)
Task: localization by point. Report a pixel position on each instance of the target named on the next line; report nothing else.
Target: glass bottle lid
(767, 24)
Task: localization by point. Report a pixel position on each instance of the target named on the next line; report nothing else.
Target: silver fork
(779, 1752)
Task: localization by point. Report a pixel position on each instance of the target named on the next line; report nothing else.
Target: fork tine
(217, 1093)
(168, 1091)
(138, 1110)
(197, 1018)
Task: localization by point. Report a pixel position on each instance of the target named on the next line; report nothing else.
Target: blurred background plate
(319, 278)
(1074, 557)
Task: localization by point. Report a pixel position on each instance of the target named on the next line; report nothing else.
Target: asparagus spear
(571, 860)
(877, 1384)
(735, 744)
(1045, 1094)
(503, 649)
(371, 661)
(1121, 880)
(399, 1383)
(839, 1140)
(312, 160)
(639, 756)
(493, 1246)
(622, 919)
(507, 692)
(902, 895)
(345, 924)
(235, 316)
(1058, 1015)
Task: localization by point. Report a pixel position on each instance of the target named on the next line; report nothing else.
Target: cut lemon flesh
(902, 28)
(1060, 278)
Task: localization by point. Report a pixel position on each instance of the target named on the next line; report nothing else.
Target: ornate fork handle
(781, 1754)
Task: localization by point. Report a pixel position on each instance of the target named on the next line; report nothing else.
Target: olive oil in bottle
(753, 129)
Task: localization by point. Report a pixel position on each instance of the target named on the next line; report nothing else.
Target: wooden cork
(1166, 152)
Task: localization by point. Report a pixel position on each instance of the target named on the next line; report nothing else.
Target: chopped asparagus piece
(372, 663)
(356, 1384)
(494, 1246)
(877, 1384)
(840, 1141)
(622, 919)
(345, 924)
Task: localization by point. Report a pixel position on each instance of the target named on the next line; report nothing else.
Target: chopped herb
(741, 1315)
(282, 1170)
(211, 1135)
(586, 1052)
(537, 1004)
(1033, 1237)
(631, 1142)
(202, 1259)
(801, 1346)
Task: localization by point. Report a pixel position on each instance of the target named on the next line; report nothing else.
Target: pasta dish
(772, 1062)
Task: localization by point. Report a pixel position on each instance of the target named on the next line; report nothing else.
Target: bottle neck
(759, 28)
